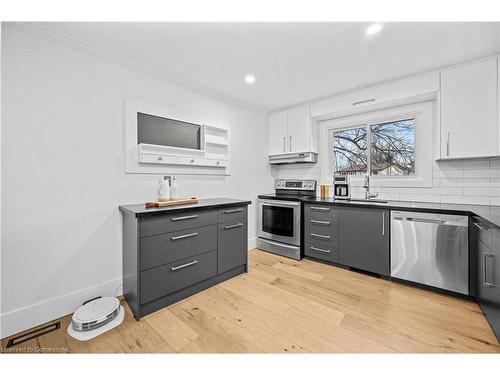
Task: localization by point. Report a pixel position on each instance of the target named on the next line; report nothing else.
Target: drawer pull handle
(234, 226)
(486, 282)
(364, 101)
(184, 266)
(184, 217)
(321, 222)
(319, 236)
(320, 208)
(479, 226)
(233, 211)
(184, 236)
(318, 249)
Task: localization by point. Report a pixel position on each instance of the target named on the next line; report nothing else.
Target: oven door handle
(279, 203)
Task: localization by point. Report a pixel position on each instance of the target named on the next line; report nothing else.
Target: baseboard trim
(28, 317)
(252, 243)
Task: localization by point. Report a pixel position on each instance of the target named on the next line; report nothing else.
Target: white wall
(63, 173)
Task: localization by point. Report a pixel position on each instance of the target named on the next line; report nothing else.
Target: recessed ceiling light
(374, 29)
(249, 78)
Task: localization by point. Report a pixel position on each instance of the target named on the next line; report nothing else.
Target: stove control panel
(308, 185)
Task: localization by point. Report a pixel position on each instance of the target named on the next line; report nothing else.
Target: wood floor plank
(285, 306)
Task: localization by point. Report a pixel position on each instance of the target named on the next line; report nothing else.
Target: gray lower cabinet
(485, 261)
(364, 239)
(171, 255)
(349, 236)
(233, 244)
(321, 233)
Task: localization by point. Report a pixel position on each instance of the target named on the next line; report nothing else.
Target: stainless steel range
(279, 217)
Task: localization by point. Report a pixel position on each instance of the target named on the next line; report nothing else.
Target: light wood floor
(283, 305)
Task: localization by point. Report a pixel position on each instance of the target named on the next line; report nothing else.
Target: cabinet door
(485, 272)
(469, 110)
(364, 239)
(233, 245)
(278, 133)
(299, 129)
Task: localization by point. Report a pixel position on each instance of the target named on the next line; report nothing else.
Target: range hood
(296, 157)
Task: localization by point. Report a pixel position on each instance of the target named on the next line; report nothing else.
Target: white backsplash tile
(466, 182)
(438, 174)
(462, 199)
(420, 198)
(474, 181)
(438, 190)
(489, 192)
(482, 173)
(495, 163)
(495, 201)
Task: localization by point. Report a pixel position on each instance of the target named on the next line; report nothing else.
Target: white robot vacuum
(96, 317)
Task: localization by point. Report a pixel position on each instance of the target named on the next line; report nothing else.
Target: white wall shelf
(211, 159)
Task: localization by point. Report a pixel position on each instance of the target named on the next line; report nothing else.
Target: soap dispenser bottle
(174, 191)
(164, 189)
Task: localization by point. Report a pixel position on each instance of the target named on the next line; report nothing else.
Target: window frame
(424, 116)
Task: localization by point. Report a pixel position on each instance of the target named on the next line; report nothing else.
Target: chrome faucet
(368, 195)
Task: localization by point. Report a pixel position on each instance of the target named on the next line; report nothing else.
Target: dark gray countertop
(141, 210)
(489, 213)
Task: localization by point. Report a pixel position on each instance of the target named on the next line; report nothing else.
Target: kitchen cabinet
(364, 239)
(485, 260)
(321, 232)
(278, 132)
(172, 253)
(469, 110)
(292, 131)
(402, 91)
(233, 241)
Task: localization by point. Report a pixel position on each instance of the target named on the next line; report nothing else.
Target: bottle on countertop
(174, 189)
(164, 189)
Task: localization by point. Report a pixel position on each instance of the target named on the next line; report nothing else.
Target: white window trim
(424, 114)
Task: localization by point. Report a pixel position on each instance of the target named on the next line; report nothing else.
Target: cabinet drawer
(321, 236)
(233, 245)
(166, 248)
(320, 213)
(164, 280)
(173, 222)
(323, 227)
(321, 250)
(238, 213)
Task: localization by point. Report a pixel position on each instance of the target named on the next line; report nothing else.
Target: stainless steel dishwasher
(431, 249)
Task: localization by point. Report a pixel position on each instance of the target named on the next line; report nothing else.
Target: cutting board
(172, 202)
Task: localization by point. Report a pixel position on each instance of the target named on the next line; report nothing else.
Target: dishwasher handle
(431, 218)
(429, 221)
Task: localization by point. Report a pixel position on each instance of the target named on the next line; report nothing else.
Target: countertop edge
(163, 210)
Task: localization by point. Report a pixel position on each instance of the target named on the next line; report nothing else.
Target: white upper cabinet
(299, 129)
(400, 92)
(278, 133)
(291, 131)
(469, 110)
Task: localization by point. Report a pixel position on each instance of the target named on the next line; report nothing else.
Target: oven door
(279, 221)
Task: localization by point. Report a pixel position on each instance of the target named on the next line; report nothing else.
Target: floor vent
(33, 334)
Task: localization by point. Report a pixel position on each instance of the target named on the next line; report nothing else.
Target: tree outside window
(390, 152)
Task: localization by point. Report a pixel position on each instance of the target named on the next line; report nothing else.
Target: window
(394, 146)
(350, 151)
(390, 152)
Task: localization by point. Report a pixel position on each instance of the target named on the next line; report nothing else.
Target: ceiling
(292, 62)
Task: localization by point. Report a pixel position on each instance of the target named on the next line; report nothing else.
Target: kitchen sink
(367, 200)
